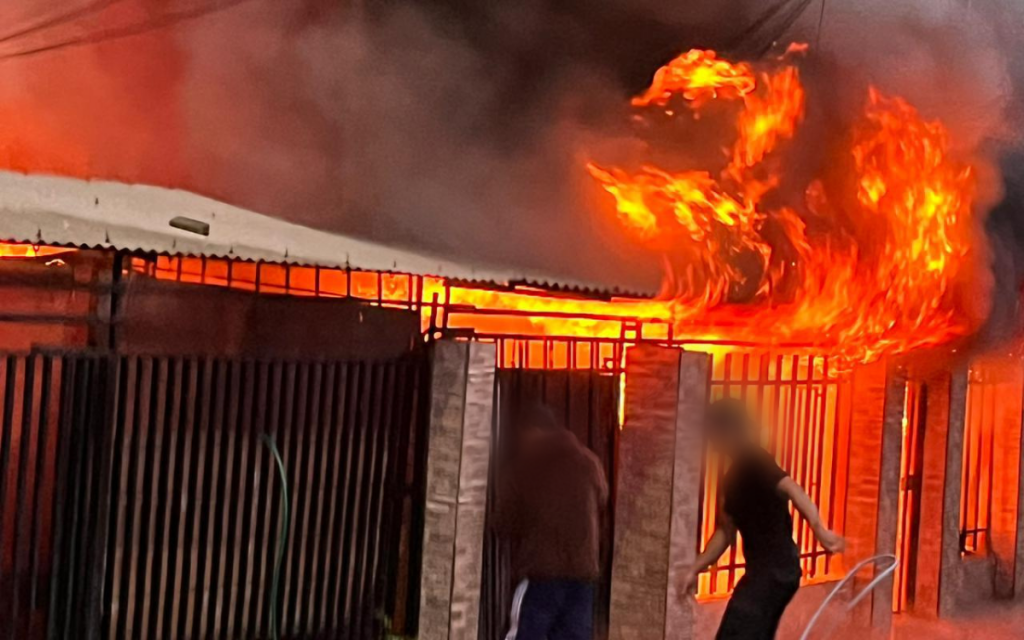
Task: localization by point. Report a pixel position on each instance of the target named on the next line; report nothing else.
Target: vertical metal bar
(992, 399)
(315, 448)
(239, 516)
(355, 509)
(42, 466)
(378, 495)
(20, 491)
(184, 514)
(169, 393)
(820, 431)
(123, 547)
(89, 394)
(324, 609)
(204, 504)
(249, 616)
(228, 496)
(148, 563)
(6, 437)
(63, 479)
(221, 549)
(314, 563)
(965, 478)
(285, 438)
(121, 521)
(109, 438)
(368, 478)
(835, 389)
(358, 390)
(309, 381)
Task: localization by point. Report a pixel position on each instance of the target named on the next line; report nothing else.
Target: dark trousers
(757, 604)
(552, 610)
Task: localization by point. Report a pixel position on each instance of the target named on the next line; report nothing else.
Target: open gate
(587, 402)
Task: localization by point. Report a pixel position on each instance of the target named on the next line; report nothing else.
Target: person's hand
(833, 542)
(690, 580)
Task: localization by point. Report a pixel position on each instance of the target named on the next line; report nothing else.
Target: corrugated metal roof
(112, 215)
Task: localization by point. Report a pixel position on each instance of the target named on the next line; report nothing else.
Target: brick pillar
(938, 554)
(458, 458)
(872, 511)
(656, 526)
(1006, 376)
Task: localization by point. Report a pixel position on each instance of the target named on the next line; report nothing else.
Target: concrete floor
(993, 622)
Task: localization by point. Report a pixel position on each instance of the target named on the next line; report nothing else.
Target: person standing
(757, 496)
(552, 500)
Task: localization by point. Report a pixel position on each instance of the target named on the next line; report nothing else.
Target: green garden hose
(282, 534)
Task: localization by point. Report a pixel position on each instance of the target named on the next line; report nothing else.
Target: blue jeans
(552, 610)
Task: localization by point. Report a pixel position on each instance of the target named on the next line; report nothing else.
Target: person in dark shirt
(551, 504)
(757, 494)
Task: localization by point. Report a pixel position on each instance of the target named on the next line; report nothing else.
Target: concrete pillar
(938, 554)
(656, 524)
(1007, 381)
(458, 459)
(876, 439)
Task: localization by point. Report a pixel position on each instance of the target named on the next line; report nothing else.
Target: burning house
(151, 337)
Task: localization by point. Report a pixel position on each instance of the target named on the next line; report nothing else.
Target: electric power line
(821, 21)
(58, 20)
(160, 22)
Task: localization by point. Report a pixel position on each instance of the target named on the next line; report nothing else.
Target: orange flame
(698, 76)
(18, 250)
(878, 274)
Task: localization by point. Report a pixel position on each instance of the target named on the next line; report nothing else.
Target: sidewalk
(993, 622)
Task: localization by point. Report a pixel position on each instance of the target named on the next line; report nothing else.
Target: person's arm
(832, 542)
(720, 541)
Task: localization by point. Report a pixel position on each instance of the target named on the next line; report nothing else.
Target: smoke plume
(457, 127)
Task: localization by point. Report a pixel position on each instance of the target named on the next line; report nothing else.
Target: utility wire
(160, 22)
(821, 21)
(760, 36)
(58, 20)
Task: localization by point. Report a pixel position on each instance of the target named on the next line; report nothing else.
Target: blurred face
(729, 428)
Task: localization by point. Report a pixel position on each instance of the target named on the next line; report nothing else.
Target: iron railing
(137, 501)
(801, 401)
(911, 469)
(979, 454)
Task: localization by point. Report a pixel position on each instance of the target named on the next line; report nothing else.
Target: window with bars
(803, 404)
(979, 453)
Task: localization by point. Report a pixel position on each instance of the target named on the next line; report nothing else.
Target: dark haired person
(757, 494)
(551, 502)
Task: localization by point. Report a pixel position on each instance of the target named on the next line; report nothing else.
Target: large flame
(878, 274)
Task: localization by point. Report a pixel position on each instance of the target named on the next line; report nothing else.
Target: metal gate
(587, 402)
(908, 528)
(136, 500)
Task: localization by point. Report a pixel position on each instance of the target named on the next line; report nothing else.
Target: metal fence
(137, 501)
(911, 469)
(979, 452)
(803, 404)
